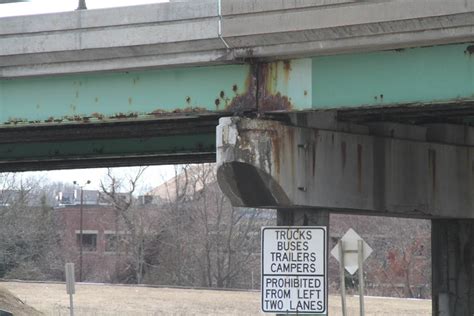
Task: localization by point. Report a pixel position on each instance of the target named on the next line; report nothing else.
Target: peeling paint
(469, 50)
(268, 98)
(121, 116)
(255, 87)
(97, 116)
(247, 98)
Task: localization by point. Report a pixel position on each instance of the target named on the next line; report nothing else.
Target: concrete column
(302, 217)
(453, 267)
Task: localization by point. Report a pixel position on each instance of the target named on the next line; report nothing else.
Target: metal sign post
(70, 285)
(351, 252)
(360, 255)
(341, 276)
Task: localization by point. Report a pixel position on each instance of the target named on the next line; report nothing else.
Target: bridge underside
(169, 115)
(382, 133)
(189, 138)
(164, 141)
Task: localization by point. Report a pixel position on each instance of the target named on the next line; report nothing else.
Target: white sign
(70, 285)
(294, 269)
(70, 280)
(351, 259)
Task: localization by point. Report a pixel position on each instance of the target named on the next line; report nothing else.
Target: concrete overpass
(338, 106)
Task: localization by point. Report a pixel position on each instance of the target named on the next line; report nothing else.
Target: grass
(105, 300)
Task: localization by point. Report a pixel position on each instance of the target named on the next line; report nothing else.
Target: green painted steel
(120, 95)
(112, 148)
(419, 75)
(291, 79)
(425, 75)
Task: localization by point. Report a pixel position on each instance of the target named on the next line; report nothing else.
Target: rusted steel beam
(367, 82)
(416, 113)
(126, 161)
(107, 145)
(112, 130)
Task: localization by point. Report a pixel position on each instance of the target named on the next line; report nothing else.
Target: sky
(154, 175)
(48, 6)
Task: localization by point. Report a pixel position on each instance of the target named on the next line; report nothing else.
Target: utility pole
(82, 5)
(81, 226)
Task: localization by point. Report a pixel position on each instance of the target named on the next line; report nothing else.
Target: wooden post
(452, 244)
(302, 217)
(342, 278)
(360, 255)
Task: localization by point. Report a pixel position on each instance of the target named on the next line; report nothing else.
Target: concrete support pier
(302, 217)
(453, 267)
(312, 164)
(380, 169)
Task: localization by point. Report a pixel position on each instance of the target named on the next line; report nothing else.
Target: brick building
(101, 258)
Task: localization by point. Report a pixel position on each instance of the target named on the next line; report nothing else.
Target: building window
(89, 241)
(114, 241)
(111, 243)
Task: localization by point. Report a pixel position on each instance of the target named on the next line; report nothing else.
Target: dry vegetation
(10, 303)
(92, 299)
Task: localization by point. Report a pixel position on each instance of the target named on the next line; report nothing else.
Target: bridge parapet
(187, 33)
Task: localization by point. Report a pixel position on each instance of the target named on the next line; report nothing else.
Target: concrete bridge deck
(188, 33)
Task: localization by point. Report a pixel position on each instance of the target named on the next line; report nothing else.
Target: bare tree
(29, 234)
(400, 263)
(136, 227)
(176, 246)
(407, 253)
(214, 244)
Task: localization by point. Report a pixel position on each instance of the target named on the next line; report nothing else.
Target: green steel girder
(418, 75)
(95, 98)
(107, 144)
(367, 83)
(117, 152)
